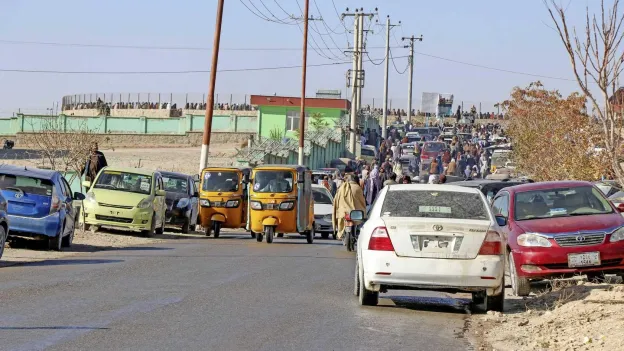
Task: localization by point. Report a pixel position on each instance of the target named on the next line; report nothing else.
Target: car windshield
(321, 196)
(434, 147)
(499, 159)
(27, 185)
(368, 152)
(273, 182)
(220, 181)
(176, 184)
(434, 204)
(560, 202)
(421, 130)
(124, 181)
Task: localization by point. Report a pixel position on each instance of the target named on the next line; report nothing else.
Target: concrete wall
(154, 113)
(275, 118)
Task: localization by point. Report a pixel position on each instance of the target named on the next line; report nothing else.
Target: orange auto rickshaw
(281, 201)
(223, 199)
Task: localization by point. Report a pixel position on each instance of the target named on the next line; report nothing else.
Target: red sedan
(556, 229)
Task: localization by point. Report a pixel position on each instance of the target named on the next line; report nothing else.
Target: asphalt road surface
(230, 293)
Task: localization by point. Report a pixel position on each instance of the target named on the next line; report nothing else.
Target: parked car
(559, 229)
(4, 224)
(40, 204)
(488, 187)
(430, 237)
(323, 208)
(369, 153)
(430, 150)
(129, 198)
(608, 187)
(182, 200)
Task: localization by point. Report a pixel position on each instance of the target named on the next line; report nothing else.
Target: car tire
(269, 232)
(356, 279)
(216, 228)
(86, 227)
(325, 235)
(69, 239)
(186, 227)
(519, 285)
(253, 235)
(259, 237)
(495, 302)
(478, 297)
(56, 243)
(310, 234)
(150, 232)
(367, 297)
(3, 239)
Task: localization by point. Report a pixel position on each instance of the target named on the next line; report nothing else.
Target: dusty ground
(184, 160)
(567, 315)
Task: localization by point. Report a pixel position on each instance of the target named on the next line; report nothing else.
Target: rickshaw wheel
(253, 235)
(208, 230)
(259, 237)
(310, 235)
(269, 231)
(216, 228)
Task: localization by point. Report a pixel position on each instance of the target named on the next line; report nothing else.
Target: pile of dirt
(574, 315)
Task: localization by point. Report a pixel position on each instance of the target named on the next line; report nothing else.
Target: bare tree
(597, 56)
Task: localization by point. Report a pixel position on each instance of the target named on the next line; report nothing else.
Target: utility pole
(203, 161)
(411, 72)
(303, 82)
(384, 121)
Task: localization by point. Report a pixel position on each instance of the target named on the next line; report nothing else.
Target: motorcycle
(351, 233)
(8, 144)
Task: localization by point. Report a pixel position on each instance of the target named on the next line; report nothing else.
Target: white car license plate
(586, 259)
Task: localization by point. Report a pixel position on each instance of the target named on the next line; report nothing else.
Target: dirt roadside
(567, 315)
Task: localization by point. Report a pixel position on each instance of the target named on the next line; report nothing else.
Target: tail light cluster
(380, 240)
(55, 205)
(492, 244)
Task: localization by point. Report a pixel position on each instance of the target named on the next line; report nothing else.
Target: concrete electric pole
(384, 121)
(203, 161)
(411, 72)
(303, 83)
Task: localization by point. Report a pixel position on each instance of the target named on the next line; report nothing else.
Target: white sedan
(430, 237)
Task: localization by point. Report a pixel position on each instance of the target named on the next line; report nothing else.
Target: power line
(174, 72)
(261, 15)
(394, 64)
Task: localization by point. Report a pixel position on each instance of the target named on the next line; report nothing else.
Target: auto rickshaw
(223, 199)
(281, 201)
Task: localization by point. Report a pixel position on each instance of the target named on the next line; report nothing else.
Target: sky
(508, 35)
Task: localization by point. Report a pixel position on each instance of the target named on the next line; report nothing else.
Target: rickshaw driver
(277, 184)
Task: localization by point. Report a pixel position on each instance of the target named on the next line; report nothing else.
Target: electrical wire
(394, 64)
(249, 69)
(373, 62)
(292, 22)
(314, 45)
(261, 15)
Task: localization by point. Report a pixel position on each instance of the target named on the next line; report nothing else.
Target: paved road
(215, 294)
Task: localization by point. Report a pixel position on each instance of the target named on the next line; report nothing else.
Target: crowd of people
(417, 113)
(105, 107)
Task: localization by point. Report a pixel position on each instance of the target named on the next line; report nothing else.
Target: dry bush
(553, 136)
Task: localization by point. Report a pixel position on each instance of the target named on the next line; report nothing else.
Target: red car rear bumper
(550, 261)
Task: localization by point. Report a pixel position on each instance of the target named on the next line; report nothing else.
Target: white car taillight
(492, 244)
(380, 240)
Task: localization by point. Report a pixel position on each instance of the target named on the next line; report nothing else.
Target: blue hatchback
(39, 204)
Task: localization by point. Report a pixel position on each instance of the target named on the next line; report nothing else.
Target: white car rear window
(434, 204)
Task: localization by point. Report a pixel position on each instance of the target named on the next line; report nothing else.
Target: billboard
(436, 103)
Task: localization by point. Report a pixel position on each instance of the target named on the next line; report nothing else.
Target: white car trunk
(435, 237)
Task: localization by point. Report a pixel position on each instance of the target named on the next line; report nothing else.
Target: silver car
(323, 208)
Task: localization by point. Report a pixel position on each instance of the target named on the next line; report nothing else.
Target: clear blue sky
(509, 35)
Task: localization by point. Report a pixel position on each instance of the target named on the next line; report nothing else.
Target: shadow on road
(60, 262)
(69, 327)
(42, 245)
(429, 304)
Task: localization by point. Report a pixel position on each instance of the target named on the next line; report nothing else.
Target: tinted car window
(321, 197)
(560, 202)
(123, 181)
(368, 152)
(273, 182)
(28, 185)
(220, 181)
(176, 184)
(434, 204)
(434, 147)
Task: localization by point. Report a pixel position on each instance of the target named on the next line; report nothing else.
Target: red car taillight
(380, 240)
(492, 244)
(424, 157)
(55, 205)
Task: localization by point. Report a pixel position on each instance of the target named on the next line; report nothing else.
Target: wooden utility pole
(203, 161)
(384, 121)
(303, 82)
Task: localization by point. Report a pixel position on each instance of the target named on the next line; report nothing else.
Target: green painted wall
(274, 118)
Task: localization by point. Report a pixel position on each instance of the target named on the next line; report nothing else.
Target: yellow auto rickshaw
(281, 201)
(223, 199)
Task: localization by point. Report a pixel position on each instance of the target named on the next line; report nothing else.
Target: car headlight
(183, 202)
(145, 203)
(90, 198)
(286, 205)
(255, 205)
(617, 235)
(232, 204)
(533, 240)
(204, 203)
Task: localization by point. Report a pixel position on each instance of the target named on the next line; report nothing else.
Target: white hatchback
(430, 237)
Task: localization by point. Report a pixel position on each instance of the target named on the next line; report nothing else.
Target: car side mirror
(79, 196)
(501, 220)
(86, 184)
(620, 207)
(356, 215)
(160, 193)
